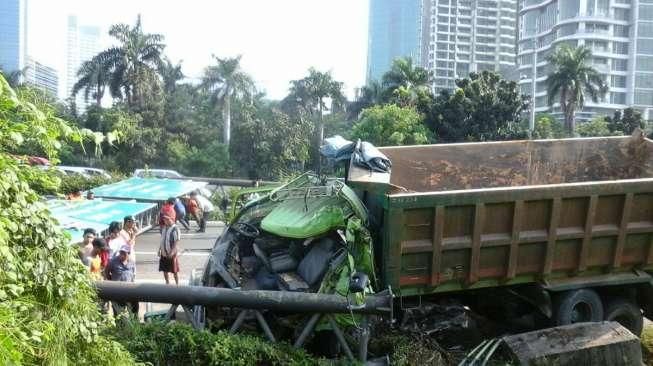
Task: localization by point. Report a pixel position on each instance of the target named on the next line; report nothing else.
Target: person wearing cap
(90, 195)
(128, 233)
(121, 268)
(168, 249)
(86, 245)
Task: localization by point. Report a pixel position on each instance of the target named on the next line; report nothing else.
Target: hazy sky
(278, 39)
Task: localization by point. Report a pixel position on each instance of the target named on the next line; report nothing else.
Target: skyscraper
(83, 42)
(619, 33)
(13, 35)
(393, 33)
(463, 36)
(42, 76)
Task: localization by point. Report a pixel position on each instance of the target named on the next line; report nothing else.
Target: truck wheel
(625, 313)
(578, 306)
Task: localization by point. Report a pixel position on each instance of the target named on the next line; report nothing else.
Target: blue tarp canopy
(147, 189)
(75, 216)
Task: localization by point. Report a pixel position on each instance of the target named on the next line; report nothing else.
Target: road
(195, 248)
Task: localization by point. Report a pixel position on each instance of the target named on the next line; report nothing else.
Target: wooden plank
(438, 230)
(587, 239)
(514, 240)
(623, 230)
(394, 233)
(475, 258)
(554, 220)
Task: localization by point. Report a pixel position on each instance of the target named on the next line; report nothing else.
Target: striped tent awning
(147, 189)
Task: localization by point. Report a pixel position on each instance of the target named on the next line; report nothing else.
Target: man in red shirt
(168, 209)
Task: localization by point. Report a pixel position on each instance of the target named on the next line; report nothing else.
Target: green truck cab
(561, 228)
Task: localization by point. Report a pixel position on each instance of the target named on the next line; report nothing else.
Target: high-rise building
(83, 42)
(463, 36)
(42, 77)
(13, 35)
(394, 27)
(620, 35)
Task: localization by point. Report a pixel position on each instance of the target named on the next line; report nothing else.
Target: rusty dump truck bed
(473, 215)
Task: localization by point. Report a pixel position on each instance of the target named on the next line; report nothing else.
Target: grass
(647, 345)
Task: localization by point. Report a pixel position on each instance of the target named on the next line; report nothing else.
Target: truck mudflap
(645, 298)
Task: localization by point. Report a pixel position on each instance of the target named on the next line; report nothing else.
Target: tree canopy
(482, 107)
(391, 125)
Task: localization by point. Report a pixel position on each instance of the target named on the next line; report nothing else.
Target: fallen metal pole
(231, 182)
(300, 302)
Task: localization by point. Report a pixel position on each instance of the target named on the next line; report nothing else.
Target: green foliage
(179, 344)
(406, 83)
(267, 143)
(598, 126)
(406, 349)
(391, 125)
(211, 160)
(626, 121)
(547, 127)
(483, 107)
(48, 309)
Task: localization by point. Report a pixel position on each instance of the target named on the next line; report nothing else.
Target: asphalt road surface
(194, 247)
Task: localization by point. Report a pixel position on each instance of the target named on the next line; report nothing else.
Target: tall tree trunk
(320, 138)
(226, 119)
(572, 119)
(98, 95)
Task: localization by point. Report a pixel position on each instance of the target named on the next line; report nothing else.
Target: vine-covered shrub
(48, 309)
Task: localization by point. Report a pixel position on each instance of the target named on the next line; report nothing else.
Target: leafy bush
(598, 126)
(391, 125)
(179, 344)
(547, 127)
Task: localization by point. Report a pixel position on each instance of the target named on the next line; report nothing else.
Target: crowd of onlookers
(113, 258)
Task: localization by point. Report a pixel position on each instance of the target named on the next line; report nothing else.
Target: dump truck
(558, 228)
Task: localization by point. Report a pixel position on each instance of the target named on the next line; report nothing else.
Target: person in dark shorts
(169, 249)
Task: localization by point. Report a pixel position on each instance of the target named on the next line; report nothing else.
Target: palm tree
(93, 77)
(313, 90)
(370, 95)
(171, 74)
(571, 79)
(224, 81)
(133, 64)
(414, 79)
(311, 94)
(14, 77)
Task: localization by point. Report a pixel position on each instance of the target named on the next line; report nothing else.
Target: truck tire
(625, 313)
(578, 306)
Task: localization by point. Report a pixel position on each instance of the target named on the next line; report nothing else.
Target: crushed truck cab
(307, 235)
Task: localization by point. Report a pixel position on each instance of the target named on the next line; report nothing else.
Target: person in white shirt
(206, 206)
